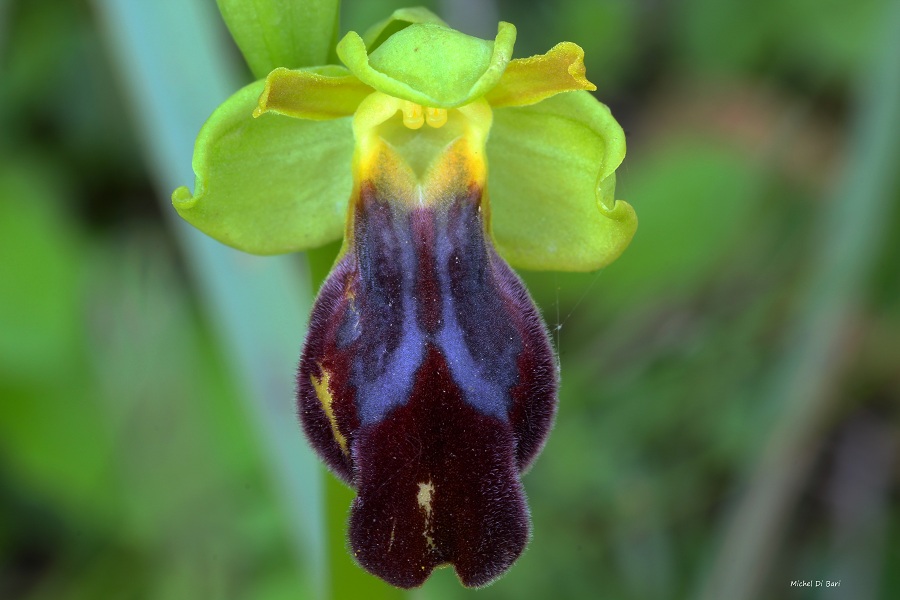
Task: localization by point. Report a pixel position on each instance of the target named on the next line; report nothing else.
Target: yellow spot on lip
(424, 498)
(323, 393)
(426, 491)
(393, 527)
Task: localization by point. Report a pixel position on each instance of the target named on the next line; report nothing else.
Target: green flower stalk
(427, 380)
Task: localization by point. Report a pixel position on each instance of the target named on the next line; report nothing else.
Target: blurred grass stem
(475, 17)
(851, 233)
(175, 69)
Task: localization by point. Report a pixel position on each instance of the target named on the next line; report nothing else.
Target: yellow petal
(305, 94)
(530, 80)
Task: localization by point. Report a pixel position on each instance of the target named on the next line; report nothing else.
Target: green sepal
(269, 185)
(323, 93)
(430, 64)
(399, 19)
(552, 185)
(282, 33)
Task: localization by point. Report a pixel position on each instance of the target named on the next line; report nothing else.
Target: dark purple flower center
(428, 383)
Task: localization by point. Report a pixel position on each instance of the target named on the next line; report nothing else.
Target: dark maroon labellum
(428, 383)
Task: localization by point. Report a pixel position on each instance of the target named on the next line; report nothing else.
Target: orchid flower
(427, 380)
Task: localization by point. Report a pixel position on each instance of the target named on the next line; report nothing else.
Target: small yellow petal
(530, 80)
(306, 94)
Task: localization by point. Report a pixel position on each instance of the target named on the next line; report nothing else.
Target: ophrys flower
(427, 380)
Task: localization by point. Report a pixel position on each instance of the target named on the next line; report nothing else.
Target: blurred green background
(729, 416)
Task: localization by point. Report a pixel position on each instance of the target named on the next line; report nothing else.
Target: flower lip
(430, 64)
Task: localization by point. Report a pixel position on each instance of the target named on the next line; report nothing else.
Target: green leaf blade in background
(282, 33)
(851, 230)
(257, 305)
